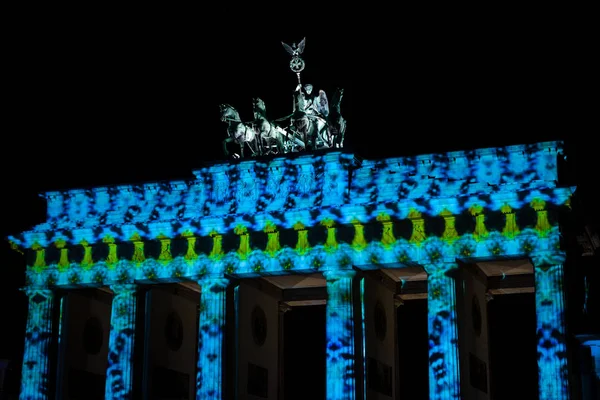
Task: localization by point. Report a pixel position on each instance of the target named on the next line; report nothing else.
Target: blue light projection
(119, 373)
(364, 335)
(314, 212)
(444, 372)
(339, 324)
(236, 305)
(209, 378)
(552, 346)
(38, 336)
(286, 190)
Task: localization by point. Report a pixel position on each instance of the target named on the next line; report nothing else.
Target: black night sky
(100, 101)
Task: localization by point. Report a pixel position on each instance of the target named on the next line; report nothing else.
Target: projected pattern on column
(444, 373)
(340, 358)
(303, 214)
(552, 347)
(209, 378)
(119, 373)
(34, 381)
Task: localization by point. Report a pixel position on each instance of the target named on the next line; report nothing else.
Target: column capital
(214, 280)
(592, 340)
(283, 307)
(439, 267)
(38, 294)
(335, 274)
(212, 277)
(122, 288)
(541, 259)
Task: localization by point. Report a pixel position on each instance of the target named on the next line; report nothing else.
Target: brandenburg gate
(369, 233)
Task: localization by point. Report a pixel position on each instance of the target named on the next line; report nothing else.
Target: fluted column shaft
(444, 373)
(209, 378)
(340, 351)
(119, 372)
(551, 349)
(38, 337)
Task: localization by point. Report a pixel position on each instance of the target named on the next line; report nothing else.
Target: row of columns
(343, 355)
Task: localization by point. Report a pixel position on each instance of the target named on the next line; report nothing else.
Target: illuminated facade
(329, 213)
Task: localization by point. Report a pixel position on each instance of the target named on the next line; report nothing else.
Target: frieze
(248, 190)
(220, 190)
(275, 188)
(305, 183)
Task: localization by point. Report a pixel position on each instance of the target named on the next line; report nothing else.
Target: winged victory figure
(322, 104)
(295, 50)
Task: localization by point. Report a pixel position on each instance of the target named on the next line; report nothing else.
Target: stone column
(444, 374)
(233, 318)
(119, 372)
(3, 366)
(38, 337)
(340, 351)
(552, 348)
(589, 362)
(209, 379)
(283, 308)
(472, 321)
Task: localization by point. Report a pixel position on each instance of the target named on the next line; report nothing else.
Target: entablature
(310, 184)
(304, 213)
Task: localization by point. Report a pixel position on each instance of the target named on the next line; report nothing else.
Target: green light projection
(316, 212)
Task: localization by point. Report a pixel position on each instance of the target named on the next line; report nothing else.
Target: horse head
(229, 113)
(259, 108)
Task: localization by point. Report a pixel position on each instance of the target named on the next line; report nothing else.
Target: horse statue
(271, 136)
(336, 124)
(238, 132)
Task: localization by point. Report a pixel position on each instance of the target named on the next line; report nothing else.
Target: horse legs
(261, 144)
(313, 133)
(341, 133)
(257, 150)
(227, 140)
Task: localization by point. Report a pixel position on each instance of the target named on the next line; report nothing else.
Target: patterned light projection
(339, 322)
(444, 371)
(552, 347)
(119, 373)
(364, 335)
(326, 212)
(209, 379)
(34, 379)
